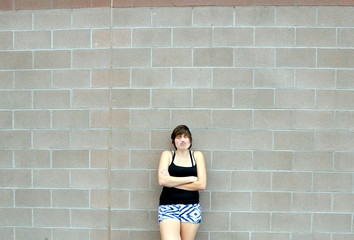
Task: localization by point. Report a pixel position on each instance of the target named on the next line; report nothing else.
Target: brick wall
(9, 5)
(89, 97)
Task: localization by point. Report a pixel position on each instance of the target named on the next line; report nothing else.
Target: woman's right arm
(164, 177)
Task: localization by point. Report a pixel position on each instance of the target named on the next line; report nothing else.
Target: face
(182, 142)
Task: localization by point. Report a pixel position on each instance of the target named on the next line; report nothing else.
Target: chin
(184, 148)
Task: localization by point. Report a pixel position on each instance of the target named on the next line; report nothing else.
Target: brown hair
(180, 130)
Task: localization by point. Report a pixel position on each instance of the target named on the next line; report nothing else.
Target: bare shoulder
(198, 155)
(165, 160)
(166, 155)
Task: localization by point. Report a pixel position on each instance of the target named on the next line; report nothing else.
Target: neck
(182, 151)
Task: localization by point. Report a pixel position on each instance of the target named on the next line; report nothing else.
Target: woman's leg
(189, 230)
(170, 229)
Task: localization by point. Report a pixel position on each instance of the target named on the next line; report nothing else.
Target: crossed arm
(186, 183)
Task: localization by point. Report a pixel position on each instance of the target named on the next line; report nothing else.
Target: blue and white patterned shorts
(190, 213)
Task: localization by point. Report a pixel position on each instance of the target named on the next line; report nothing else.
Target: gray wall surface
(89, 98)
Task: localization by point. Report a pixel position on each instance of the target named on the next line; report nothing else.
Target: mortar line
(109, 234)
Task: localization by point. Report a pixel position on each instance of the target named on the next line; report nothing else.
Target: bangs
(183, 132)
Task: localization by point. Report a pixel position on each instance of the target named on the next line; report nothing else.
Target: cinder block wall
(89, 97)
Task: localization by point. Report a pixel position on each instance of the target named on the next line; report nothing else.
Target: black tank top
(179, 196)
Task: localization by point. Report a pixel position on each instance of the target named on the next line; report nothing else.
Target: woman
(181, 173)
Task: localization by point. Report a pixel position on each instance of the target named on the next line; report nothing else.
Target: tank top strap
(173, 156)
(191, 154)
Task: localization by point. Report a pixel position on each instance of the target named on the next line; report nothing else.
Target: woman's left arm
(201, 183)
